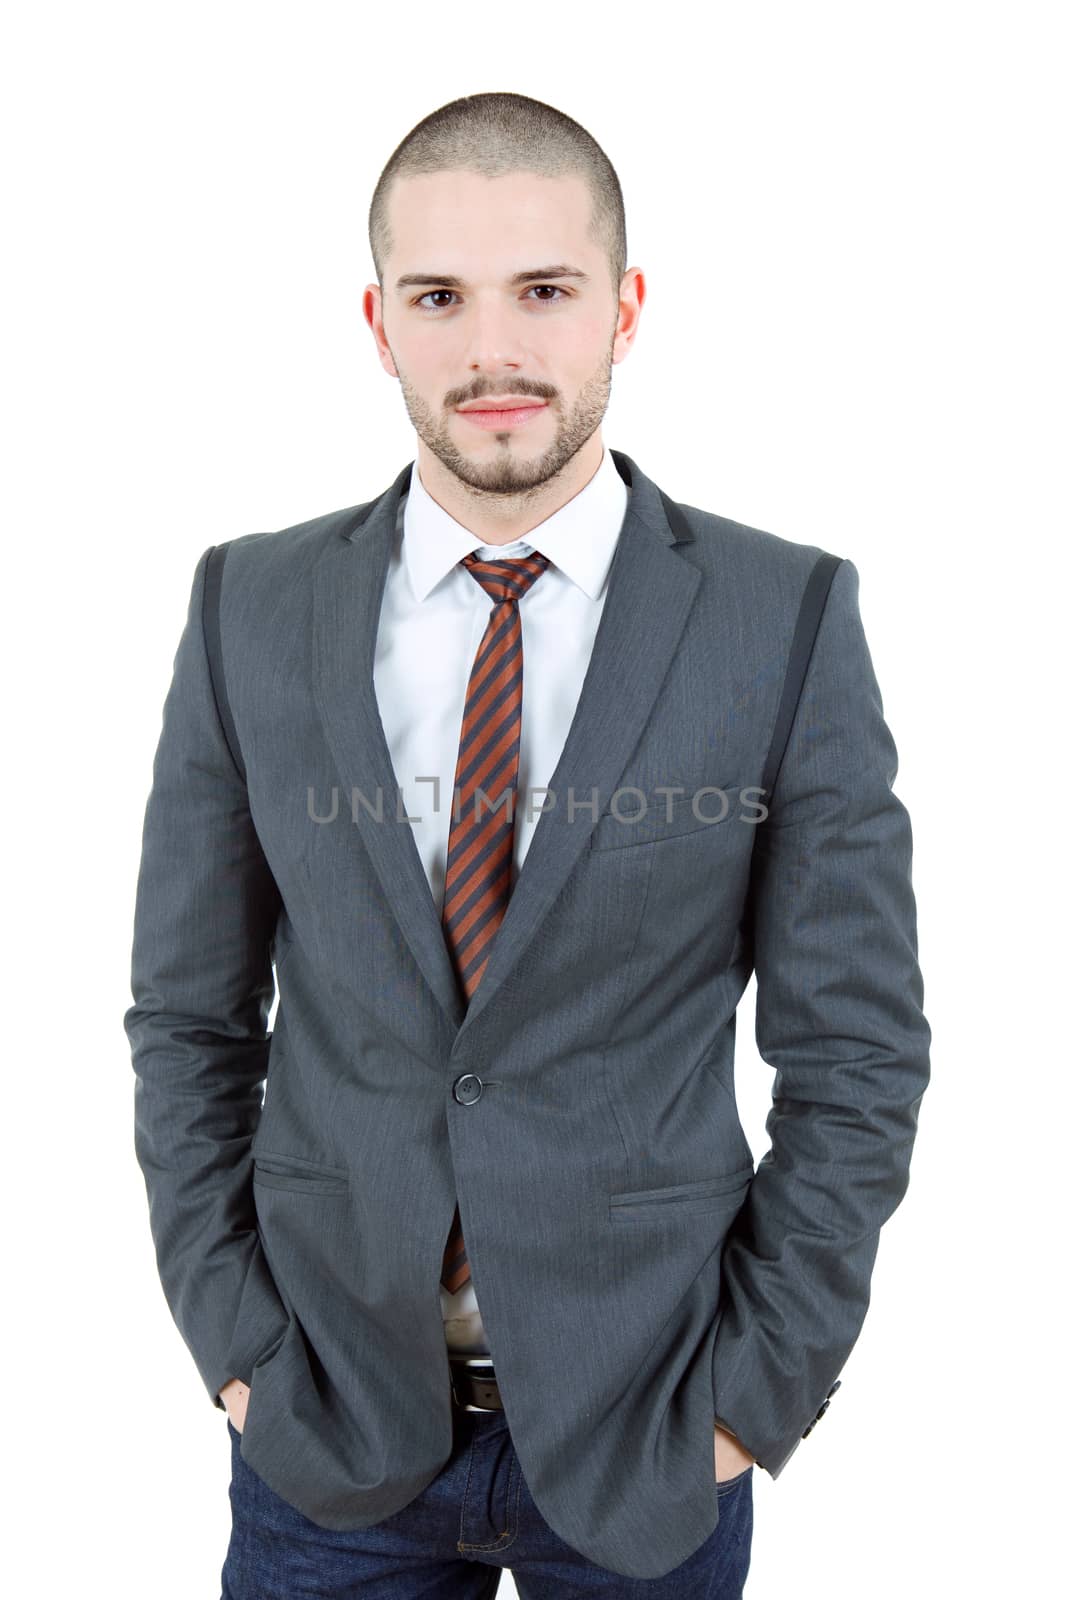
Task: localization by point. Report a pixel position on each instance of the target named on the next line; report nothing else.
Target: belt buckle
(473, 1365)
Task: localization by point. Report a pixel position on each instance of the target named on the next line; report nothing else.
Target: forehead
(458, 215)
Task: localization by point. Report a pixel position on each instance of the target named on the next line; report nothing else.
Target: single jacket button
(467, 1089)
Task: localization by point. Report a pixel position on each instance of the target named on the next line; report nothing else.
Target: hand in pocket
(731, 1457)
(234, 1396)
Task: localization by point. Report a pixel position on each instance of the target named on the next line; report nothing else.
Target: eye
(553, 288)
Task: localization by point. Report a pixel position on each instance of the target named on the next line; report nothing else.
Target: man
(485, 1278)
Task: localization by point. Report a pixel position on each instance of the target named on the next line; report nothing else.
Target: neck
(500, 518)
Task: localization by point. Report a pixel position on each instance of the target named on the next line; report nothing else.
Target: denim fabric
(455, 1538)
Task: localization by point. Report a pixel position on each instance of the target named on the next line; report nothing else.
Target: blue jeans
(454, 1539)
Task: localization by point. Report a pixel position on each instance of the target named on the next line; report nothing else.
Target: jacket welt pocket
(706, 1194)
(275, 1171)
(613, 831)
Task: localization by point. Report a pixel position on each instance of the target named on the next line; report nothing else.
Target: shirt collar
(579, 538)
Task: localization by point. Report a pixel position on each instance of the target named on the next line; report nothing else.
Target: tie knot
(506, 580)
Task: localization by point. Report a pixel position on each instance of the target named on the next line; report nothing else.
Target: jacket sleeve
(839, 997)
(204, 921)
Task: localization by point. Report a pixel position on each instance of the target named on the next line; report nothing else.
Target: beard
(501, 472)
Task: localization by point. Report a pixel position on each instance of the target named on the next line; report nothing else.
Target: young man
(514, 775)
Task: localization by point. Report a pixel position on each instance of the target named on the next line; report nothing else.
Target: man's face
(465, 331)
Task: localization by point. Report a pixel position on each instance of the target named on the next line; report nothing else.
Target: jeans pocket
(727, 1484)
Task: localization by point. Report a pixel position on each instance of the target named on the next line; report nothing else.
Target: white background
(848, 216)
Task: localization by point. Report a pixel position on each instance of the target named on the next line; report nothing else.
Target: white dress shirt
(433, 616)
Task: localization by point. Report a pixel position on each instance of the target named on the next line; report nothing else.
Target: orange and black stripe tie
(478, 873)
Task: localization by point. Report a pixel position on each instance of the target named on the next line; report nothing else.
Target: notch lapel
(650, 593)
(349, 589)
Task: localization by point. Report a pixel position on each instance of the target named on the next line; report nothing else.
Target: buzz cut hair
(496, 134)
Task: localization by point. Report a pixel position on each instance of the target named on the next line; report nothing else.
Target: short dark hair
(494, 134)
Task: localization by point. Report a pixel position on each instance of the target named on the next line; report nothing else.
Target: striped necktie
(478, 873)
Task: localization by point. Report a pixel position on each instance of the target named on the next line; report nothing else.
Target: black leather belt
(474, 1385)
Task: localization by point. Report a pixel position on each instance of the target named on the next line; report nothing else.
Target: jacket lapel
(650, 592)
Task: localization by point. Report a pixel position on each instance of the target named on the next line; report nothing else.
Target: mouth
(509, 417)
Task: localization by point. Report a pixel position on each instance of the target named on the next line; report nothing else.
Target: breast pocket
(715, 813)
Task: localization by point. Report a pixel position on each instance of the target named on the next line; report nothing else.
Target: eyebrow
(446, 280)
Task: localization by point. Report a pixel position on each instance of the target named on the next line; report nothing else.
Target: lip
(509, 417)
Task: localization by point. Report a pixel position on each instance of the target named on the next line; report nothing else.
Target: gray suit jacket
(636, 1276)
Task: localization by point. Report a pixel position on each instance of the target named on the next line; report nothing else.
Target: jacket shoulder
(728, 547)
(289, 549)
(268, 581)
